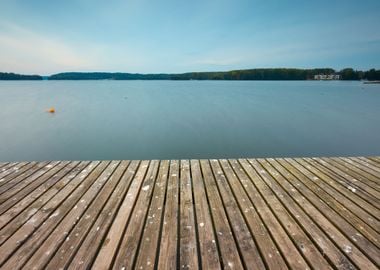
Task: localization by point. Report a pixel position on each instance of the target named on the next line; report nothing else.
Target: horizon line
(179, 73)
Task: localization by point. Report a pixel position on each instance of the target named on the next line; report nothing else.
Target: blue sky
(147, 36)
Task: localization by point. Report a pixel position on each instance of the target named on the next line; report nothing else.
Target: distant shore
(371, 82)
(259, 74)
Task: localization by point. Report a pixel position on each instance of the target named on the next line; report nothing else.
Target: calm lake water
(187, 119)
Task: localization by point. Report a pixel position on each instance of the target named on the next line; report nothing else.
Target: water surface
(97, 120)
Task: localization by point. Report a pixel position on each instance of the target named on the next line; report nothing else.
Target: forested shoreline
(245, 74)
(15, 77)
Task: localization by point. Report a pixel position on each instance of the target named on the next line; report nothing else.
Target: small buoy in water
(51, 110)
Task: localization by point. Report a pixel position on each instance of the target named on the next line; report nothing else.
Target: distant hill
(248, 74)
(245, 74)
(255, 74)
(107, 76)
(13, 76)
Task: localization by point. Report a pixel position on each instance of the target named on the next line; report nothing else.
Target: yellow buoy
(51, 110)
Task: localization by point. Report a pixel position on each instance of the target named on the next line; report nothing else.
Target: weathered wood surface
(284, 213)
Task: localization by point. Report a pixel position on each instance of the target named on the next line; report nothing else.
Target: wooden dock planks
(275, 213)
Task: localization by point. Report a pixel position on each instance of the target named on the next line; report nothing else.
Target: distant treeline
(107, 76)
(247, 74)
(13, 76)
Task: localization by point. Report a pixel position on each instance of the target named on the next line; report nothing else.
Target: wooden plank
(361, 171)
(111, 243)
(168, 249)
(287, 215)
(32, 233)
(3, 164)
(146, 258)
(309, 213)
(86, 253)
(17, 174)
(9, 169)
(206, 234)
(357, 175)
(228, 249)
(370, 161)
(314, 216)
(338, 188)
(358, 211)
(28, 195)
(21, 181)
(248, 248)
(12, 167)
(375, 159)
(284, 243)
(350, 178)
(126, 255)
(15, 217)
(362, 168)
(269, 251)
(368, 165)
(323, 200)
(6, 165)
(5, 204)
(188, 250)
(342, 183)
(82, 216)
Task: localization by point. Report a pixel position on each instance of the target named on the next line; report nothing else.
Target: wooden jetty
(283, 213)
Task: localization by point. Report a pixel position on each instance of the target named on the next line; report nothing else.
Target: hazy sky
(48, 36)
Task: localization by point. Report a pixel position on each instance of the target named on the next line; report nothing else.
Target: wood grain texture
(273, 213)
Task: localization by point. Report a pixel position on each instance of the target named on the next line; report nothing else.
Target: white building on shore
(327, 77)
